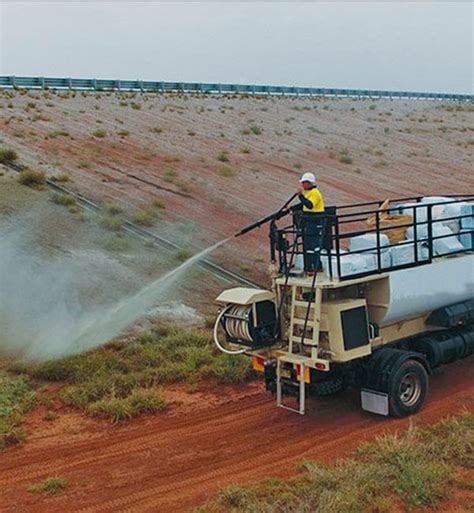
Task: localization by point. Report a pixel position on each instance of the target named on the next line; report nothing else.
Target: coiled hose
(235, 328)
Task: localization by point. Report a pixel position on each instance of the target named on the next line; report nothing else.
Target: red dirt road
(177, 461)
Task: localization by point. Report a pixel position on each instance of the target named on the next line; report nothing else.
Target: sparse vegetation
(345, 157)
(51, 485)
(183, 254)
(170, 175)
(58, 133)
(123, 133)
(8, 155)
(32, 178)
(115, 242)
(223, 156)
(416, 468)
(145, 217)
(100, 133)
(255, 130)
(139, 402)
(116, 381)
(159, 203)
(109, 222)
(112, 209)
(62, 178)
(65, 200)
(16, 398)
(226, 171)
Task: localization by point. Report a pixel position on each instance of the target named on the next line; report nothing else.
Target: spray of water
(56, 305)
(124, 313)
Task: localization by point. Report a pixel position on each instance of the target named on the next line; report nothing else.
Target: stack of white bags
(452, 222)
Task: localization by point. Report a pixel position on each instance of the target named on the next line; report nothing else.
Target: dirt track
(178, 461)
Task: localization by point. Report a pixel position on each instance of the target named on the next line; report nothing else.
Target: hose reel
(248, 318)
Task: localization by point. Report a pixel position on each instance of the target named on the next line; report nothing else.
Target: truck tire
(407, 388)
(328, 387)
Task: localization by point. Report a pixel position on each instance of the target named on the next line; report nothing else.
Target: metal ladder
(301, 394)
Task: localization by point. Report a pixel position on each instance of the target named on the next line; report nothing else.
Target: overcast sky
(424, 46)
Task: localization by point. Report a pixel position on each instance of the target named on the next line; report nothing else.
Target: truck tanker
(392, 301)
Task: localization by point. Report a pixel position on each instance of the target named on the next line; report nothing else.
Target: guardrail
(93, 84)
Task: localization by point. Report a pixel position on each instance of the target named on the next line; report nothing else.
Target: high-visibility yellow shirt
(314, 195)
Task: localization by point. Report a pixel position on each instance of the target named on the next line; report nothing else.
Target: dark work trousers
(312, 231)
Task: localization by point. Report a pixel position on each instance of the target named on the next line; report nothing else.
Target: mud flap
(374, 402)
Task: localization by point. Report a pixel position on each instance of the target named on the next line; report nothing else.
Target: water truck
(391, 300)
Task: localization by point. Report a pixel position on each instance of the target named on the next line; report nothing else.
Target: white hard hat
(308, 177)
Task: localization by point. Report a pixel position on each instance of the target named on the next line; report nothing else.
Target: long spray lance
(283, 211)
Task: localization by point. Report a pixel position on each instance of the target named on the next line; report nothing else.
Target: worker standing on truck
(312, 207)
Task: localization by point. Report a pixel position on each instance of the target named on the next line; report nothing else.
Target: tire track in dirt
(173, 463)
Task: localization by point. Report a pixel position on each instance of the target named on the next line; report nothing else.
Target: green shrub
(255, 130)
(144, 217)
(62, 178)
(109, 382)
(409, 470)
(226, 171)
(16, 398)
(58, 133)
(115, 242)
(223, 156)
(146, 401)
(32, 178)
(123, 133)
(170, 175)
(231, 369)
(139, 402)
(111, 223)
(51, 485)
(65, 200)
(112, 209)
(183, 254)
(8, 155)
(159, 203)
(118, 410)
(99, 133)
(345, 157)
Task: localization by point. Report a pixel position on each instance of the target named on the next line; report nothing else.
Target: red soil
(177, 461)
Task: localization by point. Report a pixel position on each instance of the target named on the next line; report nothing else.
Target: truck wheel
(408, 388)
(328, 387)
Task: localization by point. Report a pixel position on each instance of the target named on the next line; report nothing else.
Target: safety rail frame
(333, 238)
(95, 84)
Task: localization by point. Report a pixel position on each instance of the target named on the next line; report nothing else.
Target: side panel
(426, 288)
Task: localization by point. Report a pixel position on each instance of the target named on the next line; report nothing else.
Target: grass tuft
(112, 209)
(51, 485)
(65, 200)
(416, 468)
(32, 178)
(115, 381)
(16, 398)
(145, 217)
(111, 223)
(8, 155)
(100, 133)
(226, 171)
(115, 242)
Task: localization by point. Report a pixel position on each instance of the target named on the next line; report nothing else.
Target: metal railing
(94, 84)
(344, 223)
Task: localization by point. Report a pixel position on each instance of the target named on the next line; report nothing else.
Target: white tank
(421, 289)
